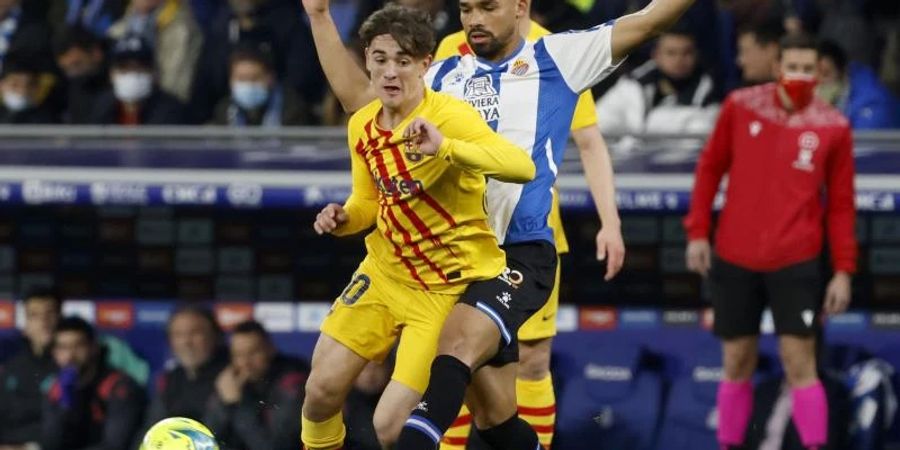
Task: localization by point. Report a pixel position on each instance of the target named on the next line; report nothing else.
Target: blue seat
(614, 402)
(690, 419)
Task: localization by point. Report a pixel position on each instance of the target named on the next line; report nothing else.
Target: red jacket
(786, 171)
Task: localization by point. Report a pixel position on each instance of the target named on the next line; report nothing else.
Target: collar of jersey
(415, 113)
(493, 65)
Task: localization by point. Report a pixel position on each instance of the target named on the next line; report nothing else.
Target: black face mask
(91, 77)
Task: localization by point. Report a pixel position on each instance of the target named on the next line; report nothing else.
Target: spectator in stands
(26, 377)
(187, 386)
(135, 98)
(758, 53)
(855, 89)
(23, 33)
(20, 89)
(789, 160)
(82, 59)
(669, 93)
(175, 37)
(90, 405)
(258, 395)
(275, 26)
(444, 15)
(95, 16)
(257, 97)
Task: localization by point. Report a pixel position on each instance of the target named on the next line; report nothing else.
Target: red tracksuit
(786, 171)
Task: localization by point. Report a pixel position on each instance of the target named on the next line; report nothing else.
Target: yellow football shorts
(374, 310)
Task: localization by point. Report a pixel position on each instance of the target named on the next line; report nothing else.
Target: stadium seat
(614, 404)
(690, 418)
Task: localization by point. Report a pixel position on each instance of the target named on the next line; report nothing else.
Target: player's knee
(534, 360)
(799, 365)
(323, 398)
(387, 430)
(466, 346)
(739, 360)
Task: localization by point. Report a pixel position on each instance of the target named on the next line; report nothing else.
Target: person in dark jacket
(26, 377)
(24, 33)
(90, 406)
(257, 97)
(135, 98)
(20, 92)
(187, 386)
(258, 395)
(81, 57)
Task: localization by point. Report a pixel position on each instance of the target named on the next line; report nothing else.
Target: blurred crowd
(253, 62)
(65, 386)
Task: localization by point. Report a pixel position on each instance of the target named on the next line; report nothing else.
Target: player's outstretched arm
(473, 146)
(632, 30)
(348, 81)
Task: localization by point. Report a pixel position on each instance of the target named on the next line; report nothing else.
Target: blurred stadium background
(128, 221)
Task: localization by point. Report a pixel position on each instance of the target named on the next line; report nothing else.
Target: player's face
(192, 339)
(757, 61)
(676, 56)
(492, 26)
(41, 317)
(72, 349)
(396, 75)
(798, 62)
(251, 355)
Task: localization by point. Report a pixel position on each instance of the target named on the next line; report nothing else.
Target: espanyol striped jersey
(529, 98)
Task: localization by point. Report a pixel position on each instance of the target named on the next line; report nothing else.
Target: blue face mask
(249, 95)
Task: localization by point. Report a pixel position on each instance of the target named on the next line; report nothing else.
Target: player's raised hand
(699, 256)
(837, 295)
(315, 6)
(424, 136)
(611, 247)
(331, 217)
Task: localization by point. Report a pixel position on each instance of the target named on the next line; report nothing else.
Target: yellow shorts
(374, 310)
(542, 324)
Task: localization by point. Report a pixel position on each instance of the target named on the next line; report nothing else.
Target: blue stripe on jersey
(446, 66)
(556, 105)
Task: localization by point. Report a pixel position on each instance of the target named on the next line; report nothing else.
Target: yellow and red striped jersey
(432, 231)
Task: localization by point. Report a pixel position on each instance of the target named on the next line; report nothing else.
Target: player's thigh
(542, 324)
(393, 408)
(738, 300)
(334, 368)
(362, 318)
(491, 396)
(422, 324)
(795, 295)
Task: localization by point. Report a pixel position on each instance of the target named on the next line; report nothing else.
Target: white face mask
(15, 101)
(131, 87)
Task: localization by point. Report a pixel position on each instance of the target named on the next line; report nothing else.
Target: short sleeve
(584, 58)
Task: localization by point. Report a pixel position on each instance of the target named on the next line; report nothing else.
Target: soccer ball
(179, 433)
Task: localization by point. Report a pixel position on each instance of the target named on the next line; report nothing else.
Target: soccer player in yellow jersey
(419, 162)
(534, 384)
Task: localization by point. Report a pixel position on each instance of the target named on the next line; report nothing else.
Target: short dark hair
(252, 327)
(251, 53)
(199, 311)
(411, 28)
(19, 62)
(797, 42)
(76, 324)
(766, 33)
(833, 51)
(680, 29)
(43, 293)
(76, 37)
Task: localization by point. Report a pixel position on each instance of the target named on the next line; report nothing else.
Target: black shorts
(521, 290)
(739, 297)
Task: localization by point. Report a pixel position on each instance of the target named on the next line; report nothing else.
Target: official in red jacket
(789, 160)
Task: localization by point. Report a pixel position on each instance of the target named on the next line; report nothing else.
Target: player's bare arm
(346, 78)
(599, 174)
(632, 30)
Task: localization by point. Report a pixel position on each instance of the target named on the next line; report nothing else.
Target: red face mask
(800, 88)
